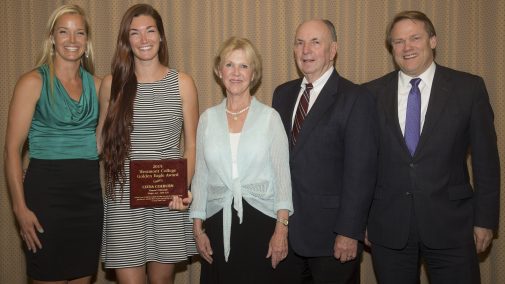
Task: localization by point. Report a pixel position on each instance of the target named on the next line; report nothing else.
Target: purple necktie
(413, 118)
(301, 112)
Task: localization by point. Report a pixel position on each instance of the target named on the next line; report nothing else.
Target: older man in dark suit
(431, 117)
(330, 123)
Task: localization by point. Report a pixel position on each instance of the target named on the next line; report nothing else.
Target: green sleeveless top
(63, 128)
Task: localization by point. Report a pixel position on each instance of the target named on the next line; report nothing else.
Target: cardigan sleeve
(200, 178)
(279, 153)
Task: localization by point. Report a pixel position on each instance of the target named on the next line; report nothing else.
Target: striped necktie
(301, 112)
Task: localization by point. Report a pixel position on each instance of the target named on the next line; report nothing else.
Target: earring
(52, 46)
(161, 40)
(86, 54)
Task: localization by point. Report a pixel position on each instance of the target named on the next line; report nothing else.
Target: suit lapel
(391, 109)
(388, 103)
(325, 100)
(287, 109)
(440, 92)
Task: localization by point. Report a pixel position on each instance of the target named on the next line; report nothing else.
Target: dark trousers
(297, 269)
(450, 265)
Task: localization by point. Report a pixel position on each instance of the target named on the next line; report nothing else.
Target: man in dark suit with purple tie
(330, 123)
(424, 207)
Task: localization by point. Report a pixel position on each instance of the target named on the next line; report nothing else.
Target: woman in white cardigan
(242, 186)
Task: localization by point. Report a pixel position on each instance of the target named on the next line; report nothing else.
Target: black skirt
(66, 197)
(247, 262)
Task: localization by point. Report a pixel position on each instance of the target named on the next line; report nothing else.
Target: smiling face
(412, 47)
(144, 38)
(236, 73)
(314, 49)
(69, 37)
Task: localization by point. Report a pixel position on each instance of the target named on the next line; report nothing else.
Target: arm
(279, 152)
(200, 182)
(189, 97)
(360, 166)
(202, 240)
(104, 97)
(21, 111)
(486, 168)
(278, 245)
(199, 188)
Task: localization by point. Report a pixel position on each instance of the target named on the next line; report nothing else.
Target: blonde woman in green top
(58, 204)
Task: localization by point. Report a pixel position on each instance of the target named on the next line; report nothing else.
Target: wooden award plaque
(153, 183)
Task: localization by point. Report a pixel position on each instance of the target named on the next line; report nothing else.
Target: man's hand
(345, 249)
(482, 237)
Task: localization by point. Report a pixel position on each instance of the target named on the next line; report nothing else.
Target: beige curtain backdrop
(470, 38)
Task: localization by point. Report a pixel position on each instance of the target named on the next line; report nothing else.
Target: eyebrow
(65, 28)
(410, 36)
(312, 39)
(148, 27)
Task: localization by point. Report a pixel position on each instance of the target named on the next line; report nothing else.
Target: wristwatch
(283, 221)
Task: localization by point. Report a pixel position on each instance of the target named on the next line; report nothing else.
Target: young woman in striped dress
(144, 108)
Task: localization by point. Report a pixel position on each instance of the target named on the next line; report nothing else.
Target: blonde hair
(47, 54)
(251, 53)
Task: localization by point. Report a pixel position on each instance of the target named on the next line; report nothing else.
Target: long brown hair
(118, 126)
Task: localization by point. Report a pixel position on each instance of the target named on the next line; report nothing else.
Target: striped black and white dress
(133, 237)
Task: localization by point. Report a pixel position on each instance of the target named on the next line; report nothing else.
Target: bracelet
(201, 233)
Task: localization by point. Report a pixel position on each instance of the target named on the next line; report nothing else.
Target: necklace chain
(236, 114)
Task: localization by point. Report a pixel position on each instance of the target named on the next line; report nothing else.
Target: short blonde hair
(252, 54)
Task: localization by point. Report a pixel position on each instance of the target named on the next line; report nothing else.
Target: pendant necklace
(236, 114)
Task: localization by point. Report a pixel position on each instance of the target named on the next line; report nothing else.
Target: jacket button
(412, 165)
(408, 193)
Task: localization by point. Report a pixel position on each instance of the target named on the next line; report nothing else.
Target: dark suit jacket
(333, 165)
(436, 180)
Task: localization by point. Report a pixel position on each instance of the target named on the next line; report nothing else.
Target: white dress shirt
(404, 87)
(317, 86)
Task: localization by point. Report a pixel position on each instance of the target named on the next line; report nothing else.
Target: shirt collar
(426, 77)
(321, 81)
